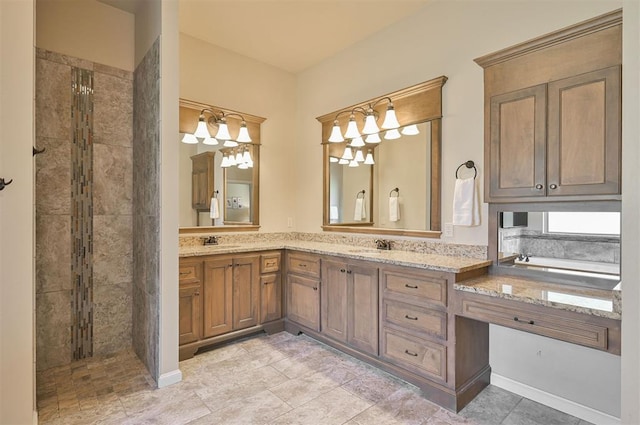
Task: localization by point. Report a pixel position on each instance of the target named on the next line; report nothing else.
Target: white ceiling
(289, 34)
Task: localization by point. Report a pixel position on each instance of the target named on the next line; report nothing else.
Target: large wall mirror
(218, 180)
(386, 182)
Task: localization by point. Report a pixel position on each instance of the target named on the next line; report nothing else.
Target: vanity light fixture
(369, 159)
(410, 130)
(392, 134)
(359, 156)
(348, 153)
(370, 121)
(240, 157)
(373, 138)
(217, 119)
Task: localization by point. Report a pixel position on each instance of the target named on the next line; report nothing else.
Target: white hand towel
(215, 211)
(466, 205)
(394, 208)
(360, 212)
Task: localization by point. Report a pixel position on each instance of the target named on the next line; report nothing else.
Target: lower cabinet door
(334, 299)
(246, 291)
(303, 301)
(190, 318)
(362, 329)
(270, 297)
(218, 297)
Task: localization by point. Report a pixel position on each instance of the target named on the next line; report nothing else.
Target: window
(591, 223)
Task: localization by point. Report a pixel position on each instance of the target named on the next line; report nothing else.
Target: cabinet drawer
(269, 263)
(415, 318)
(303, 264)
(190, 272)
(554, 326)
(417, 355)
(430, 289)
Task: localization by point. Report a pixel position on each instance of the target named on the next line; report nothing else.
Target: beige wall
(65, 26)
(216, 76)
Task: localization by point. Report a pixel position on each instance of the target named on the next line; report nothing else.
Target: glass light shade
(225, 162)
(357, 142)
(373, 138)
(336, 135)
(333, 159)
(390, 120)
(392, 134)
(243, 134)
(232, 160)
(359, 156)
(370, 125)
(343, 161)
(348, 153)
(210, 141)
(410, 130)
(353, 163)
(230, 144)
(250, 164)
(352, 129)
(246, 156)
(239, 159)
(223, 131)
(243, 166)
(202, 132)
(369, 159)
(189, 139)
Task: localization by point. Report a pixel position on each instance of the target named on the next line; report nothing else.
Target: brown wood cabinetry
(553, 125)
(223, 297)
(349, 303)
(202, 180)
(303, 289)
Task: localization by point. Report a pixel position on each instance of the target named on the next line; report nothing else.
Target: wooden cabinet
(202, 180)
(303, 289)
(218, 296)
(553, 125)
(246, 291)
(190, 301)
(270, 287)
(349, 303)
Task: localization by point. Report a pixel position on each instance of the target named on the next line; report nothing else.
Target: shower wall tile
(115, 72)
(53, 245)
(59, 58)
(112, 315)
(112, 250)
(112, 180)
(53, 176)
(53, 99)
(53, 329)
(113, 110)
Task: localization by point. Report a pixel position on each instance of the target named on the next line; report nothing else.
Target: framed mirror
(394, 186)
(218, 182)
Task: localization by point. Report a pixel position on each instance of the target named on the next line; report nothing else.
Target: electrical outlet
(448, 230)
(289, 222)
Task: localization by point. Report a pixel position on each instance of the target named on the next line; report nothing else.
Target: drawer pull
(184, 273)
(531, 322)
(302, 265)
(196, 293)
(342, 270)
(407, 352)
(315, 288)
(406, 316)
(268, 283)
(349, 272)
(406, 285)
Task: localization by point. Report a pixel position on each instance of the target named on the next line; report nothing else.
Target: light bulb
(353, 163)
(357, 142)
(370, 125)
(390, 120)
(336, 135)
(373, 138)
(223, 130)
(369, 159)
(410, 130)
(243, 134)
(210, 141)
(201, 131)
(348, 154)
(359, 156)
(189, 139)
(352, 128)
(392, 134)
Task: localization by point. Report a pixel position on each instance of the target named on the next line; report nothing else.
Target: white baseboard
(169, 378)
(562, 404)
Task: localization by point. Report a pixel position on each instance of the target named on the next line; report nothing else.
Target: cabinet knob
(349, 272)
(539, 186)
(315, 288)
(553, 186)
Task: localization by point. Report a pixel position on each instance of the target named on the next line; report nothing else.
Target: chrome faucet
(523, 257)
(211, 240)
(383, 244)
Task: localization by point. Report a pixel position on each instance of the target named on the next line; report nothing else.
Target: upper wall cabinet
(553, 115)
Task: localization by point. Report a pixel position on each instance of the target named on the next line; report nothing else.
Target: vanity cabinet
(202, 172)
(552, 125)
(349, 302)
(190, 302)
(303, 289)
(270, 287)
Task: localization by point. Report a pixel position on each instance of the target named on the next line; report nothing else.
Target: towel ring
(396, 190)
(215, 193)
(468, 164)
(360, 193)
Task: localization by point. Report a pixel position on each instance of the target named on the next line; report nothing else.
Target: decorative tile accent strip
(82, 213)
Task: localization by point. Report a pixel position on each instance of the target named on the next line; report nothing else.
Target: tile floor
(277, 379)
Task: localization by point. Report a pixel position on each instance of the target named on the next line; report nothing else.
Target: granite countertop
(395, 257)
(596, 302)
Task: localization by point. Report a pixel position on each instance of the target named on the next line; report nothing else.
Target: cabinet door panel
(584, 134)
(246, 291)
(190, 317)
(363, 308)
(517, 149)
(334, 299)
(218, 275)
(303, 301)
(270, 297)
